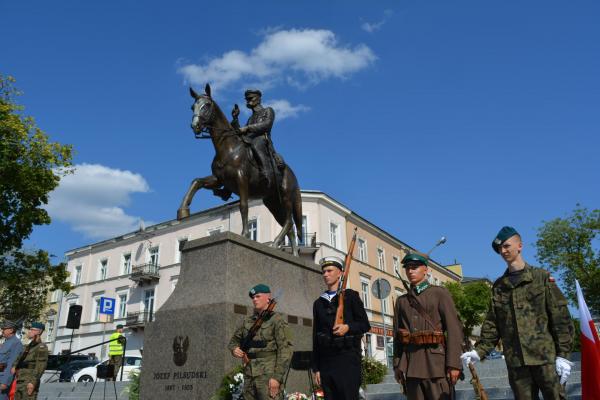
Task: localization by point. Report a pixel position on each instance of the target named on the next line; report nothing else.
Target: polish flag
(590, 351)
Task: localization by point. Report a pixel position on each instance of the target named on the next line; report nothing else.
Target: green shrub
(133, 389)
(231, 386)
(373, 371)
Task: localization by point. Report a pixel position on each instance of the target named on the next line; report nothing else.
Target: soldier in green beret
(427, 336)
(270, 349)
(31, 364)
(529, 314)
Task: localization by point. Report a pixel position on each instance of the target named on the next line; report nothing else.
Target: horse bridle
(205, 132)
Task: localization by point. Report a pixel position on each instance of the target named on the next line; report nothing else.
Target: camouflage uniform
(533, 322)
(270, 361)
(30, 370)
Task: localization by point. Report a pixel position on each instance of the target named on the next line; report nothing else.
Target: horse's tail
(297, 213)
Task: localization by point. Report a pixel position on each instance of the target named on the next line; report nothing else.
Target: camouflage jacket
(31, 368)
(531, 318)
(274, 358)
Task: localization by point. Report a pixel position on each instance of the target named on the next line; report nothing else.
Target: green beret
(505, 233)
(260, 288)
(252, 92)
(119, 326)
(38, 325)
(414, 258)
(331, 260)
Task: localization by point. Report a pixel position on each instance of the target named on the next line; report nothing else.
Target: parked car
(69, 369)
(55, 361)
(494, 354)
(133, 363)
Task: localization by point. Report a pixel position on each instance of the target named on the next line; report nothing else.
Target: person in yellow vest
(115, 351)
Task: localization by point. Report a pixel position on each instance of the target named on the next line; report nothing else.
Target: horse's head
(203, 108)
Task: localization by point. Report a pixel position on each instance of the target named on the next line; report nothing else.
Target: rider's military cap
(251, 92)
(505, 233)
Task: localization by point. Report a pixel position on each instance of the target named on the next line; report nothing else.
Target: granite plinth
(209, 302)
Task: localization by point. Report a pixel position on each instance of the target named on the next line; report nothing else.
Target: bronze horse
(235, 171)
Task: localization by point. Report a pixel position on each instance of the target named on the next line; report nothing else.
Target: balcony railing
(145, 272)
(138, 319)
(308, 240)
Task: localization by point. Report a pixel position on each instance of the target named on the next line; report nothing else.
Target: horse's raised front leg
(210, 182)
(292, 238)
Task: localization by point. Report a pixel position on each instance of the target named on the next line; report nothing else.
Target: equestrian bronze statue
(246, 164)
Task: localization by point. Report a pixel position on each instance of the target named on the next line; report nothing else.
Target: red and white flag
(590, 351)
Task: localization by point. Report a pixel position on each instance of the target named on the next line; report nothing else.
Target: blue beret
(505, 233)
(9, 324)
(38, 325)
(260, 288)
(415, 258)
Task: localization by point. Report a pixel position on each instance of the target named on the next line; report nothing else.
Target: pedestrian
(529, 314)
(427, 336)
(9, 351)
(116, 351)
(268, 357)
(31, 364)
(336, 356)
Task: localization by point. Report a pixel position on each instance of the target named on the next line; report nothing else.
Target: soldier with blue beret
(528, 312)
(9, 351)
(270, 352)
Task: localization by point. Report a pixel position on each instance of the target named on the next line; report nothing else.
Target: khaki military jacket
(273, 360)
(31, 369)
(531, 318)
(428, 361)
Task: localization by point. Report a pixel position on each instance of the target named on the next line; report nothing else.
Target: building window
(54, 297)
(149, 304)
(379, 342)
(369, 346)
(153, 255)
(180, 243)
(362, 250)
(333, 235)
(77, 277)
(253, 229)
(385, 306)
(304, 240)
(50, 329)
(126, 264)
(96, 314)
(396, 262)
(102, 269)
(380, 259)
(364, 292)
(122, 305)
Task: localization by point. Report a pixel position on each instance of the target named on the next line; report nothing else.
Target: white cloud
(301, 56)
(91, 200)
(283, 109)
(375, 26)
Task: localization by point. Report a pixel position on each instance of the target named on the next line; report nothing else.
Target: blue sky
(426, 118)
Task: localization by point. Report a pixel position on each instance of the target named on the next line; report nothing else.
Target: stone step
(79, 391)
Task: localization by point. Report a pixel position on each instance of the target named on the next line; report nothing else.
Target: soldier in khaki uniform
(529, 314)
(270, 353)
(31, 364)
(427, 336)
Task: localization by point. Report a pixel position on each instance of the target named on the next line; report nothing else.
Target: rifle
(480, 393)
(339, 315)
(246, 342)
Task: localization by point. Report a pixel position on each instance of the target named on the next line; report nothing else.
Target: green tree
(30, 168)
(566, 246)
(472, 301)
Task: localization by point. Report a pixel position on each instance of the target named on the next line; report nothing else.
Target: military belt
(339, 342)
(421, 338)
(262, 354)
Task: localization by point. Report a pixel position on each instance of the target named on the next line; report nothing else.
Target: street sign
(381, 288)
(107, 305)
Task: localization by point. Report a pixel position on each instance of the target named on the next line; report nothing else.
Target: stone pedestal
(209, 302)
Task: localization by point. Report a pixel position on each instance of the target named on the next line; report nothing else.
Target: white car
(133, 363)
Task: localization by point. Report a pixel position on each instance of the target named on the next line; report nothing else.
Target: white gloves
(563, 369)
(469, 356)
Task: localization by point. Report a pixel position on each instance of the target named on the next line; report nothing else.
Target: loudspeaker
(104, 371)
(74, 316)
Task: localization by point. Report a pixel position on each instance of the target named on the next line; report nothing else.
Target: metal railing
(147, 271)
(308, 240)
(139, 318)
